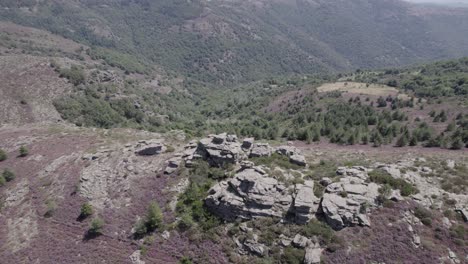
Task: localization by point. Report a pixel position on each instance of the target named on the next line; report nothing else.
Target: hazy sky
(439, 1)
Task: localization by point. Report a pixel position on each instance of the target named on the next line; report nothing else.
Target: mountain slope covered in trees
(231, 42)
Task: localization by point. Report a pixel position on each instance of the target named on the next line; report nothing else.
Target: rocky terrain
(177, 131)
(119, 172)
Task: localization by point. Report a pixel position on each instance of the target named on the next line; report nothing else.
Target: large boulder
(313, 254)
(346, 202)
(250, 194)
(305, 203)
(261, 150)
(149, 148)
(293, 153)
(221, 149)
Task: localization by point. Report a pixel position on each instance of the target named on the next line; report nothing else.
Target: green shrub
(426, 221)
(95, 229)
(75, 74)
(2, 180)
(86, 210)
(23, 151)
(185, 260)
(292, 255)
(3, 155)
(382, 177)
(424, 215)
(319, 229)
(8, 175)
(51, 207)
(276, 160)
(154, 217)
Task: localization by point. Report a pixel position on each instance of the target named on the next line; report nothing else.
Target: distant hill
(228, 42)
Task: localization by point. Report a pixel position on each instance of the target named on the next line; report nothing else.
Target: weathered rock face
(305, 203)
(250, 194)
(220, 149)
(293, 153)
(345, 202)
(430, 192)
(261, 150)
(149, 148)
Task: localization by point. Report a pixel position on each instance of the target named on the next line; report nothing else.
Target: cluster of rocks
(346, 202)
(251, 193)
(227, 149)
(251, 245)
(430, 195)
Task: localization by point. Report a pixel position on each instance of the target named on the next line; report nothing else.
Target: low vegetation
(152, 221)
(190, 205)
(8, 175)
(95, 228)
(23, 151)
(86, 211)
(3, 155)
(382, 177)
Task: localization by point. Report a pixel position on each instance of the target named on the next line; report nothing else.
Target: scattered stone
(298, 160)
(325, 181)
(149, 148)
(313, 254)
(255, 248)
(464, 213)
(300, 241)
(135, 257)
(416, 240)
(426, 170)
(260, 150)
(285, 241)
(244, 228)
(166, 235)
(247, 143)
(172, 165)
(446, 222)
(450, 164)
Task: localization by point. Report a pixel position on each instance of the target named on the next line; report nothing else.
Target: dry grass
(358, 88)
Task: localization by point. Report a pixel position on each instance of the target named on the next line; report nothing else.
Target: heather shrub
(23, 151)
(8, 175)
(382, 177)
(86, 210)
(95, 229)
(292, 255)
(3, 155)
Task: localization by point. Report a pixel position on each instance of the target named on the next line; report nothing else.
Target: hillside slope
(229, 42)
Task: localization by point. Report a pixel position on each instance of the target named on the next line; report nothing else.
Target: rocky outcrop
(305, 203)
(173, 164)
(250, 194)
(149, 148)
(220, 149)
(293, 153)
(431, 194)
(345, 203)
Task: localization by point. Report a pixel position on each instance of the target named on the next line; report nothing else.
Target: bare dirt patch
(358, 88)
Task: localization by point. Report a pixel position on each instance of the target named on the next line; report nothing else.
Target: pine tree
(402, 141)
(457, 143)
